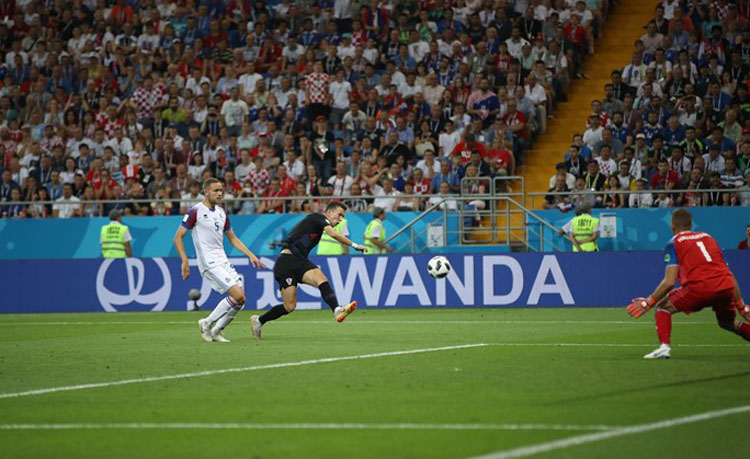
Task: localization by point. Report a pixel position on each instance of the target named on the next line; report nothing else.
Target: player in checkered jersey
(209, 223)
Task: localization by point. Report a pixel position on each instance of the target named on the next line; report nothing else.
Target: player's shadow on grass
(652, 387)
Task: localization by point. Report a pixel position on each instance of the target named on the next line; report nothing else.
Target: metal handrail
(605, 192)
(533, 215)
(235, 199)
(415, 220)
(543, 194)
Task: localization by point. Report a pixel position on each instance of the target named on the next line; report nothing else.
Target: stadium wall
(648, 229)
(152, 236)
(394, 281)
(637, 229)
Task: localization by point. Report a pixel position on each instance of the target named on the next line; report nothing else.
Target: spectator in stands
(429, 165)
(613, 198)
(641, 198)
(607, 165)
(440, 199)
(744, 190)
(715, 198)
(385, 196)
(166, 90)
(445, 175)
(664, 178)
(341, 181)
(731, 178)
(680, 165)
(191, 198)
(593, 135)
(627, 181)
(67, 205)
(594, 180)
(745, 243)
(714, 160)
(560, 201)
(562, 171)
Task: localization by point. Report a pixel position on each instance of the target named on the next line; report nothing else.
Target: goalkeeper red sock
(663, 326)
(743, 330)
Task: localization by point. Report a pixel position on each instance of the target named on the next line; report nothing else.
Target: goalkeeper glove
(640, 306)
(743, 309)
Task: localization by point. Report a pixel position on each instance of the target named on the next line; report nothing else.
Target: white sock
(224, 321)
(220, 310)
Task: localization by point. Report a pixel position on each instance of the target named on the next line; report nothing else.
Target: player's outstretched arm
(343, 239)
(640, 306)
(180, 246)
(239, 245)
(742, 308)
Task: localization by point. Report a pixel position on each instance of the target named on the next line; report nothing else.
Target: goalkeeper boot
(255, 325)
(219, 338)
(342, 312)
(662, 352)
(204, 325)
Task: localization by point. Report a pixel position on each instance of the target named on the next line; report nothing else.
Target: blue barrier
(648, 229)
(152, 236)
(496, 280)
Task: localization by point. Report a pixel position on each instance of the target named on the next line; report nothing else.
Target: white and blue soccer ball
(438, 267)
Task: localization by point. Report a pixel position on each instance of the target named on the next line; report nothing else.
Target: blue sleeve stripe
(184, 225)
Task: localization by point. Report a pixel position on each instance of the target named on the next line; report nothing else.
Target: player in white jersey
(209, 223)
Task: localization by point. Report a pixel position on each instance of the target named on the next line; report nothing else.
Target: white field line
(197, 374)
(327, 360)
(379, 322)
(739, 344)
(303, 426)
(617, 432)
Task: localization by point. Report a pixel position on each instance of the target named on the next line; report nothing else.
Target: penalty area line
(525, 451)
(197, 374)
(304, 426)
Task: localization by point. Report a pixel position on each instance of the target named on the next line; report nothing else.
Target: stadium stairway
(613, 50)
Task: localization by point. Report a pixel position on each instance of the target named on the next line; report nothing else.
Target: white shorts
(222, 277)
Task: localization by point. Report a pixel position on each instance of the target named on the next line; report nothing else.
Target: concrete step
(613, 50)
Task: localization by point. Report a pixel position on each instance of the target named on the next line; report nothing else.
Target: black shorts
(289, 270)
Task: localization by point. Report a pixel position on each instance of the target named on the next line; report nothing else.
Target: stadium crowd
(141, 100)
(677, 117)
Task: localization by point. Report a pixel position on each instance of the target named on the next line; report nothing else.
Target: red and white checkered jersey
(146, 100)
(260, 180)
(109, 125)
(317, 84)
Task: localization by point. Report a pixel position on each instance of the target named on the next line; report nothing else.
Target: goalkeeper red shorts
(694, 297)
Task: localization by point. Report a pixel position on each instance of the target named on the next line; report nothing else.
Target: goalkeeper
(705, 281)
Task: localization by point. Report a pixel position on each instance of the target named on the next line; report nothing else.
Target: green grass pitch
(535, 376)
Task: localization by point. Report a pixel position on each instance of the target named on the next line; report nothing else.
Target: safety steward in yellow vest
(115, 238)
(375, 234)
(330, 246)
(583, 230)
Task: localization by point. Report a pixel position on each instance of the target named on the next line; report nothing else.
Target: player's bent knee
(666, 306)
(290, 306)
(238, 296)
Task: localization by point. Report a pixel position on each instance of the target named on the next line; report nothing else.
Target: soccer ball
(438, 267)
